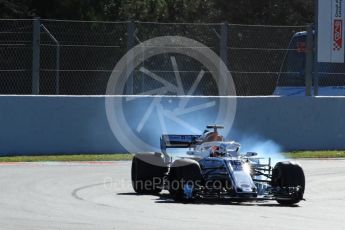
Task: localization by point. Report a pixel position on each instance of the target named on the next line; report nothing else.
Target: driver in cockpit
(216, 151)
(221, 151)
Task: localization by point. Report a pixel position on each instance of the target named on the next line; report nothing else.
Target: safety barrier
(79, 124)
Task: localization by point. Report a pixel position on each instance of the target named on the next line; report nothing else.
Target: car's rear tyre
(286, 175)
(148, 170)
(183, 171)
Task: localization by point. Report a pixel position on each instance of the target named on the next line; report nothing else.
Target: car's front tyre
(184, 172)
(288, 179)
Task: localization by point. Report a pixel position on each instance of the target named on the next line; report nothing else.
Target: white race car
(215, 168)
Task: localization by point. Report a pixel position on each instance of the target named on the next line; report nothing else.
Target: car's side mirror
(251, 154)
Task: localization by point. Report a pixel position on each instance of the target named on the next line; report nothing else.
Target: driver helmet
(216, 151)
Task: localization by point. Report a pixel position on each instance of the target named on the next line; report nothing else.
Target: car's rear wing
(178, 141)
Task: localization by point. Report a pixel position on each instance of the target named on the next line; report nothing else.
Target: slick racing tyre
(148, 170)
(286, 176)
(182, 172)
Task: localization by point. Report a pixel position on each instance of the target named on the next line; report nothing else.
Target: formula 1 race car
(215, 168)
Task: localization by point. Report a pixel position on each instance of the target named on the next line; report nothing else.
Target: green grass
(81, 157)
(316, 154)
(124, 157)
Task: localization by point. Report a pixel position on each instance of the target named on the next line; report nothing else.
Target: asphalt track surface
(99, 196)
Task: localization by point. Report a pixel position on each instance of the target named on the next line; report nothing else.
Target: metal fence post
(130, 45)
(57, 60)
(316, 64)
(223, 52)
(36, 56)
(316, 78)
(309, 61)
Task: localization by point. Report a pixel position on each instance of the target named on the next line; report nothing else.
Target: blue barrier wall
(78, 124)
(295, 123)
(47, 125)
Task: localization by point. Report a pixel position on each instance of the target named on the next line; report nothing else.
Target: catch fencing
(77, 57)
